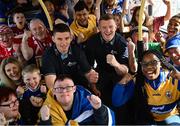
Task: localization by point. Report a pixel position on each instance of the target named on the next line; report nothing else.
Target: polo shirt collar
(111, 42)
(65, 55)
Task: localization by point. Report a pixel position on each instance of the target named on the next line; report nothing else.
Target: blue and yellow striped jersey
(163, 95)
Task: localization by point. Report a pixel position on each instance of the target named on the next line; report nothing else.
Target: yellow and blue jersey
(163, 95)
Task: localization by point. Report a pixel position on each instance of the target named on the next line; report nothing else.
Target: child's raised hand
(131, 45)
(20, 90)
(43, 89)
(95, 101)
(45, 112)
(80, 38)
(26, 34)
(36, 101)
(126, 78)
(175, 74)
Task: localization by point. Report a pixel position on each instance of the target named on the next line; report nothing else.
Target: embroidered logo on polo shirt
(113, 52)
(71, 64)
(156, 94)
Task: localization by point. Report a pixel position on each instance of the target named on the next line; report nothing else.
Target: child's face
(145, 36)
(19, 19)
(173, 27)
(50, 7)
(151, 66)
(117, 20)
(10, 107)
(174, 54)
(137, 17)
(32, 80)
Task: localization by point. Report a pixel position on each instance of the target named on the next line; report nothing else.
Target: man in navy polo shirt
(66, 58)
(109, 49)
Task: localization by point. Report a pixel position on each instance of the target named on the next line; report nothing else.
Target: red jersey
(39, 46)
(17, 31)
(6, 52)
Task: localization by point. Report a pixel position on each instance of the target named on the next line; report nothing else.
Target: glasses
(63, 89)
(12, 104)
(153, 63)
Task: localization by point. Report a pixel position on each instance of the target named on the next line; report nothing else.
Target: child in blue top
(161, 90)
(34, 95)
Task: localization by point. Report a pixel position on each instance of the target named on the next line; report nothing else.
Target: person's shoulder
(120, 39)
(49, 51)
(119, 36)
(82, 91)
(96, 38)
(73, 25)
(92, 17)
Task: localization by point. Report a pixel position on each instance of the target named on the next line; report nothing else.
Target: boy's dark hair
(106, 17)
(158, 54)
(5, 92)
(61, 77)
(61, 28)
(61, 3)
(80, 5)
(18, 10)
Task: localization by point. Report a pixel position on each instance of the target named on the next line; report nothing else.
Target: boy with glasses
(73, 105)
(9, 104)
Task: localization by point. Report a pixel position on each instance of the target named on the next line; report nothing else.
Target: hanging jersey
(5, 53)
(163, 95)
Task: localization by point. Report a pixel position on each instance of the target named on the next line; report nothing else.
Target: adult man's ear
(53, 38)
(72, 34)
(74, 88)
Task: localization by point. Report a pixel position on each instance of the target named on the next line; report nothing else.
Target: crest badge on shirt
(169, 94)
(71, 64)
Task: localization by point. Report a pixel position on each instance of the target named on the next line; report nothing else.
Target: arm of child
(123, 91)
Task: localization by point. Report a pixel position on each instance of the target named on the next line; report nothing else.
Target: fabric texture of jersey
(82, 111)
(6, 52)
(87, 32)
(163, 95)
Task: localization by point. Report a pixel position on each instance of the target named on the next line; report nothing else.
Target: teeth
(149, 72)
